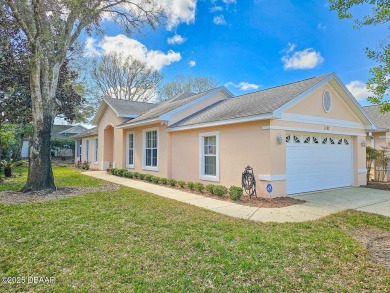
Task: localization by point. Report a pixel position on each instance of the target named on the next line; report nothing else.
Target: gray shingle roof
(126, 107)
(256, 103)
(87, 132)
(165, 107)
(381, 120)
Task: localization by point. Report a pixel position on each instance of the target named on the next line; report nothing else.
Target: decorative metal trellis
(248, 181)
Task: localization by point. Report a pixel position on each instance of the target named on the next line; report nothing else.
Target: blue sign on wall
(269, 188)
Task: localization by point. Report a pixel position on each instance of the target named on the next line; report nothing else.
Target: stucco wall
(240, 145)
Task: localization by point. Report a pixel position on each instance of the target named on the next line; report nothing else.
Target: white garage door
(317, 162)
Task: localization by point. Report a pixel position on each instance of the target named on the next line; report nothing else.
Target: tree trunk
(40, 173)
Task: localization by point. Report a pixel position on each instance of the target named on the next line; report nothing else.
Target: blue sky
(251, 45)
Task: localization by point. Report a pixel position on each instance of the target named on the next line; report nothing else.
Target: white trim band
(313, 130)
(272, 177)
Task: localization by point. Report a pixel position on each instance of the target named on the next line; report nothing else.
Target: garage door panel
(319, 166)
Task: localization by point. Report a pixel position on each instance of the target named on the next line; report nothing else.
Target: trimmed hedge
(235, 192)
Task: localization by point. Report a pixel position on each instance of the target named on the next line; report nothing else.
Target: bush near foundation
(235, 192)
(210, 188)
(181, 183)
(163, 180)
(219, 190)
(190, 185)
(199, 186)
(172, 182)
(156, 179)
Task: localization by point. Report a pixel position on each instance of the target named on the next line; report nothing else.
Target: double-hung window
(87, 150)
(150, 145)
(130, 150)
(79, 149)
(96, 150)
(209, 156)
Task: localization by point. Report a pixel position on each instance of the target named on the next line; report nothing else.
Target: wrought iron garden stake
(248, 181)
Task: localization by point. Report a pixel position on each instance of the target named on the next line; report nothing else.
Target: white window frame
(128, 148)
(96, 150)
(80, 149)
(202, 174)
(87, 150)
(144, 131)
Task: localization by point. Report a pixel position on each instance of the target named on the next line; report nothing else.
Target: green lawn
(128, 240)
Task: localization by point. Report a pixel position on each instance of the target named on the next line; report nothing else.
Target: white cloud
(192, 63)
(176, 39)
(216, 8)
(359, 89)
(243, 86)
(305, 59)
(131, 47)
(89, 48)
(321, 27)
(219, 20)
(179, 11)
(229, 1)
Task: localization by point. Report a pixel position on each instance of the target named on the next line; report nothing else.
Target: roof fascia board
(145, 122)
(167, 116)
(222, 122)
(99, 113)
(371, 124)
(278, 112)
(127, 116)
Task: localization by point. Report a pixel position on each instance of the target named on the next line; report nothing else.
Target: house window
(209, 156)
(87, 150)
(150, 160)
(130, 149)
(79, 149)
(96, 150)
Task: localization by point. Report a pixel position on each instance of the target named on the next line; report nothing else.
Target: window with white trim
(87, 150)
(79, 149)
(150, 145)
(96, 150)
(130, 150)
(209, 156)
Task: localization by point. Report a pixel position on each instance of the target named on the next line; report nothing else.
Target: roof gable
(123, 108)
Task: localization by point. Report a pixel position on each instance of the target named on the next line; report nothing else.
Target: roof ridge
(141, 102)
(285, 84)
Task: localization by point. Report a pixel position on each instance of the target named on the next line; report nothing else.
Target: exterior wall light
(279, 138)
(364, 143)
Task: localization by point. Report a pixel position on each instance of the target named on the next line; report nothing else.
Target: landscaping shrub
(190, 185)
(155, 179)
(122, 172)
(113, 171)
(163, 180)
(219, 190)
(210, 188)
(199, 186)
(129, 174)
(172, 182)
(181, 183)
(136, 174)
(235, 192)
(142, 176)
(148, 178)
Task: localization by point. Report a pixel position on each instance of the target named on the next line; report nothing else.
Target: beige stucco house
(304, 136)
(380, 137)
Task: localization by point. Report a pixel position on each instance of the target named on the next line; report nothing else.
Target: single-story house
(380, 137)
(299, 137)
(58, 131)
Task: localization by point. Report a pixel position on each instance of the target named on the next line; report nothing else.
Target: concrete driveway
(358, 198)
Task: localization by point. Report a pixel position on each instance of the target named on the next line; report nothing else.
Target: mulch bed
(377, 243)
(17, 197)
(378, 185)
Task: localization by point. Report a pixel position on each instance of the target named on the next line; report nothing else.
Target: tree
(379, 83)
(186, 83)
(124, 78)
(50, 28)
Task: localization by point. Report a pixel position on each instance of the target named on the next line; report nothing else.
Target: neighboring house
(380, 137)
(58, 131)
(299, 137)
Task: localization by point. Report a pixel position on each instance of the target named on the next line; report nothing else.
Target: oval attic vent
(326, 101)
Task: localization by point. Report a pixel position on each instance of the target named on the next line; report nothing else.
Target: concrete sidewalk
(310, 210)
